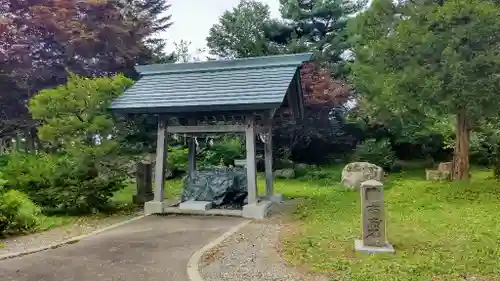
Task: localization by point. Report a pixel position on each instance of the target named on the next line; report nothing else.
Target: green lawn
(124, 196)
(441, 231)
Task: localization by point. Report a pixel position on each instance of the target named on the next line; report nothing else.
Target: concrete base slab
(154, 207)
(257, 211)
(360, 247)
(195, 205)
(142, 198)
(211, 212)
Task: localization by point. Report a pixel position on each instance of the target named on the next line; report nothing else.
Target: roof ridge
(223, 65)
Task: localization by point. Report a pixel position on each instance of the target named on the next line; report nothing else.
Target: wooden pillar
(191, 150)
(251, 164)
(191, 155)
(268, 155)
(161, 159)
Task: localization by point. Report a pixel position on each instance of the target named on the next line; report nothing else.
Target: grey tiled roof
(232, 85)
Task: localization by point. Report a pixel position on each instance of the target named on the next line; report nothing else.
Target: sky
(193, 19)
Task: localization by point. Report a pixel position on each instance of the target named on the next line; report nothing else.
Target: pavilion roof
(240, 85)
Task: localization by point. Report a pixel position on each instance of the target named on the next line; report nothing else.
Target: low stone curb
(193, 271)
(68, 241)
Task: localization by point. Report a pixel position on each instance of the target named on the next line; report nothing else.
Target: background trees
(240, 32)
(307, 26)
(432, 61)
(42, 41)
(409, 66)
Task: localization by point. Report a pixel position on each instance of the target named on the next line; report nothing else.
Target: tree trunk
(460, 169)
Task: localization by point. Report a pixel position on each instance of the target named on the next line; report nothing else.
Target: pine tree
(318, 26)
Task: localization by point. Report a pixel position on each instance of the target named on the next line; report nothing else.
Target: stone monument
(144, 181)
(355, 173)
(442, 173)
(373, 219)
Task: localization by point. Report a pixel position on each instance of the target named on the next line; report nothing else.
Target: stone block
(355, 173)
(154, 207)
(360, 247)
(140, 199)
(192, 205)
(445, 166)
(144, 183)
(258, 211)
(437, 175)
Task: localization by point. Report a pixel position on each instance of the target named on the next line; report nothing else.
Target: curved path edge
(192, 266)
(68, 241)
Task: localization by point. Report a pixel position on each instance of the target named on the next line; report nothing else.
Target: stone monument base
(192, 205)
(140, 199)
(154, 207)
(258, 211)
(360, 247)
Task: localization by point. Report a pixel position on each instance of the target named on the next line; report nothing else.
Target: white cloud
(194, 18)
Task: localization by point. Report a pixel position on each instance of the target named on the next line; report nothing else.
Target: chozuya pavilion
(246, 96)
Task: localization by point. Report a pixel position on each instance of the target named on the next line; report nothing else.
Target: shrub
(75, 121)
(224, 150)
(375, 152)
(3, 160)
(87, 183)
(17, 212)
(177, 158)
(315, 173)
(65, 183)
(33, 174)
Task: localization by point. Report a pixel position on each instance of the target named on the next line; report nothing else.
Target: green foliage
(317, 26)
(376, 152)
(485, 145)
(312, 173)
(64, 183)
(17, 212)
(177, 158)
(239, 32)
(224, 151)
(32, 174)
(75, 123)
(421, 62)
(4, 160)
(74, 114)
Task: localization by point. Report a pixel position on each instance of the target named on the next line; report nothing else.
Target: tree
(318, 26)
(248, 30)
(322, 125)
(44, 40)
(321, 90)
(438, 60)
(75, 113)
(240, 32)
(85, 167)
(149, 15)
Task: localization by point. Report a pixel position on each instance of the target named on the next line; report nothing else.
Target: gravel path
(251, 255)
(59, 234)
